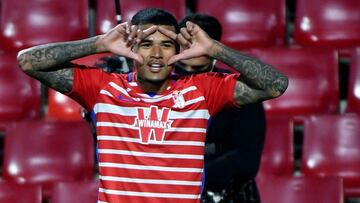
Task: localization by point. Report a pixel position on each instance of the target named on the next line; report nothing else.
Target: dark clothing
(235, 141)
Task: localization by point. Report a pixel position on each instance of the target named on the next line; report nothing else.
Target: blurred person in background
(235, 137)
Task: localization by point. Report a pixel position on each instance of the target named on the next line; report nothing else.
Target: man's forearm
(254, 73)
(51, 56)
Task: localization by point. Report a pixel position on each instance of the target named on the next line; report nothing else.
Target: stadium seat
(45, 152)
(19, 193)
(82, 192)
(34, 22)
(106, 13)
(313, 81)
(19, 94)
(278, 156)
(288, 189)
(332, 148)
(248, 23)
(62, 107)
(105, 16)
(328, 23)
(353, 94)
(128, 7)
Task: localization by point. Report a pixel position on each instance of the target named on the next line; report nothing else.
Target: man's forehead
(157, 35)
(168, 27)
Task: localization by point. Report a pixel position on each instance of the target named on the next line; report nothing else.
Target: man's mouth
(155, 67)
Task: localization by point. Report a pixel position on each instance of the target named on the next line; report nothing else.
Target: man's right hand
(120, 40)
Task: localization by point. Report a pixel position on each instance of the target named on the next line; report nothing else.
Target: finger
(136, 57)
(185, 34)
(139, 35)
(149, 31)
(183, 55)
(131, 37)
(191, 27)
(172, 35)
(127, 26)
(182, 41)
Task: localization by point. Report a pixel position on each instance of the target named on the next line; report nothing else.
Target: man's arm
(257, 82)
(50, 63)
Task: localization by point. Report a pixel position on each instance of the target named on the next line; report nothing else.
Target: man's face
(195, 65)
(156, 49)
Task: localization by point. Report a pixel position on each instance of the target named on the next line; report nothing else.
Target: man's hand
(194, 42)
(121, 38)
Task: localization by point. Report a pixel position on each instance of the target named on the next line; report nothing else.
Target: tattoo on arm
(50, 56)
(258, 81)
(60, 80)
(50, 63)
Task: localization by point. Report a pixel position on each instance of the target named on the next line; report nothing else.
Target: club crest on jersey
(152, 126)
(179, 101)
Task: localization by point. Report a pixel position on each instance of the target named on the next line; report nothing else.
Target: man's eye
(168, 45)
(145, 45)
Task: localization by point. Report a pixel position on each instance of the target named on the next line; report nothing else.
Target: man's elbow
(279, 87)
(22, 60)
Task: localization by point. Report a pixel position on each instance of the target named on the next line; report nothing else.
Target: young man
(151, 127)
(235, 137)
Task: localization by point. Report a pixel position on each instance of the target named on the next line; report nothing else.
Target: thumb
(136, 57)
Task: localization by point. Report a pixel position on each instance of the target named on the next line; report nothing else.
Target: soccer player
(150, 126)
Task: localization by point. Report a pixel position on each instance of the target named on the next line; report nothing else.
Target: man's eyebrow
(145, 40)
(169, 41)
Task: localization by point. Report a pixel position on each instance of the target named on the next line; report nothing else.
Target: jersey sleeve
(86, 85)
(218, 89)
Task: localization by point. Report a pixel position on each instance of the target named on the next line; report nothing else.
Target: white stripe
(151, 168)
(149, 194)
(193, 101)
(148, 154)
(134, 84)
(137, 140)
(101, 201)
(131, 111)
(116, 125)
(151, 181)
(127, 126)
(106, 93)
(120, 89)
(183, 91)
(190, 130)
(153, 100)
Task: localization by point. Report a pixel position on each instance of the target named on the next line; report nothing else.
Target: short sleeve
(218, 89)
(86, 85)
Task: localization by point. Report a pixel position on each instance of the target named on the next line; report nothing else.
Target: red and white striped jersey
(151, 147)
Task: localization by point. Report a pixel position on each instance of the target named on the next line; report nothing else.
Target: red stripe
(151, 148)
(161, 175)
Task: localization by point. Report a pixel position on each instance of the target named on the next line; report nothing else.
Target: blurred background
(312, 147)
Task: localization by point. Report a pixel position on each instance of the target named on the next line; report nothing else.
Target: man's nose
(156, 51)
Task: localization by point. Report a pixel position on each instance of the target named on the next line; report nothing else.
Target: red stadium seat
(313, 81)
(328, 23)
(278, 156)
(62, 107)
(304, 189)
(65, 192)
(248, 23)
(128, 7)
(332, 148)
(353, 95)
(106, 13)
(46, 152)
(19, 193)
(34, 22)
(19, 94)
(105, 16)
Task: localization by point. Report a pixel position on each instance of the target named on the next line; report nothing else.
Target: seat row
(247, 23)
(331, 148)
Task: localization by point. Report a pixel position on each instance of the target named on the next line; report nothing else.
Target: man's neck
(152, 87)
